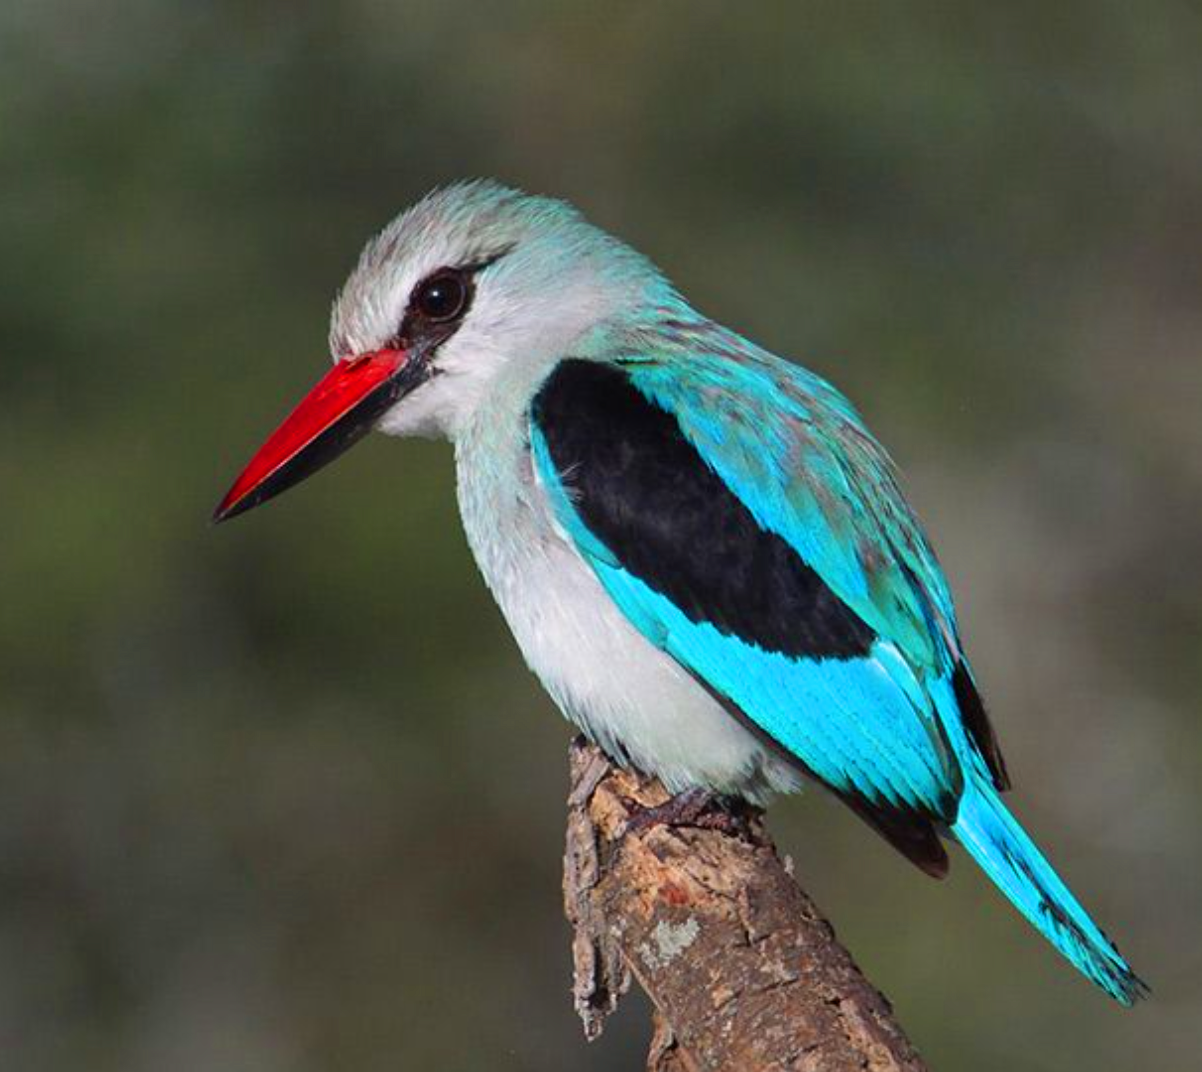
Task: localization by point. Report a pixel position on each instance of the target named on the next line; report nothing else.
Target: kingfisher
(701, 551)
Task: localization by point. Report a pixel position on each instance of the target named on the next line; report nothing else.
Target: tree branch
(744, 973)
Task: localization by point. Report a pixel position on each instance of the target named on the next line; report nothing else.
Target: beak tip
(225, 510)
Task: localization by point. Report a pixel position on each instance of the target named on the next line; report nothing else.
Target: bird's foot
(698, 808)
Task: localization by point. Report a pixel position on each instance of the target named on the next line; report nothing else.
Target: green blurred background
(281, 795)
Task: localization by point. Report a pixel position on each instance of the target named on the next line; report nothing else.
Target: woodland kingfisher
(702, 552)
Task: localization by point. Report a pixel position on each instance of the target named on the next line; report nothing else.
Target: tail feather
(1009, 857)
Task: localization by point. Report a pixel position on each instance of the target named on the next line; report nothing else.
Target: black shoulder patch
(645, 492)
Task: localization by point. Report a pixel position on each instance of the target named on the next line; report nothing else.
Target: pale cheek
(427, 413)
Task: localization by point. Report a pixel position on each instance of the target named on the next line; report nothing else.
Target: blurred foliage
(281, 795)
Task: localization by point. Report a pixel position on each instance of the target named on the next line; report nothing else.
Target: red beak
(331, 418)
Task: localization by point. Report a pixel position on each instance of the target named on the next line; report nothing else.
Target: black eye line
(437, 332)
(467, 272)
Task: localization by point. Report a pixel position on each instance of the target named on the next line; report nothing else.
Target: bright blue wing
(795, 451)
(881, 722)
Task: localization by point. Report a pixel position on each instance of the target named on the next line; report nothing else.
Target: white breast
(628, 696)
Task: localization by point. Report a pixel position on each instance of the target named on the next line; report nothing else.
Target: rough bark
(743, 971)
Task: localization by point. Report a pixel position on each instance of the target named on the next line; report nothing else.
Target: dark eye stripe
(438, 304)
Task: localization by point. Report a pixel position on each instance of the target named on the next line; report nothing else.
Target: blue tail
(995, 840)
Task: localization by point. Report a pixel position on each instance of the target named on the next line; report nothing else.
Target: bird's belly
(627, 695)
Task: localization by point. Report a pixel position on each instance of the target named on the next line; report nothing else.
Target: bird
(702, 552)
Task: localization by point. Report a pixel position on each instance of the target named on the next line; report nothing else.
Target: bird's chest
(629, 696)
(563, 621)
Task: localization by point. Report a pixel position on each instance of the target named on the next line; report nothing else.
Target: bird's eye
(442, 297)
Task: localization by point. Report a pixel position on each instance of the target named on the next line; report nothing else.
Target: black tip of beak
(305, 463)
(224, 513)
(230, 507)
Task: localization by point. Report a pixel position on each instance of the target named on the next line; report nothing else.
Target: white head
(535, 277)
(474, 291)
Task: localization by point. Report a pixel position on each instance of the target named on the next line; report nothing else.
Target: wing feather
(683, 520)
